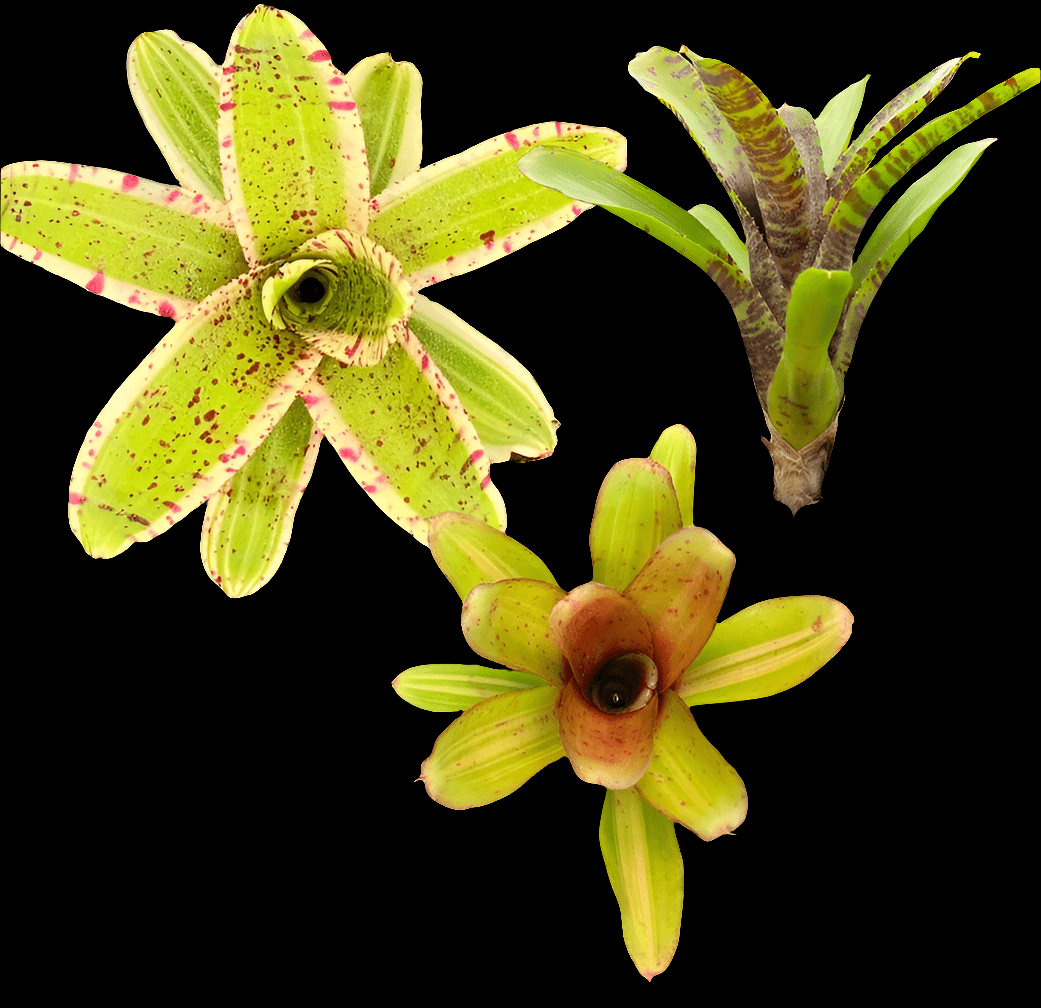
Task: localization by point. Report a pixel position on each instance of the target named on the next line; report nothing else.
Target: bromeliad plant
(802, 193)
(290, 256)
(605, 674)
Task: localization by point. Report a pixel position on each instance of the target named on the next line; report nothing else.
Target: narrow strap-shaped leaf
(458, 687)
(249, 521)
(849, 217)
(156, 248)
(404, 436)
(903, 223)
(292, 150)
(723, 231)
(887, 123)
(584, 178)
(645, 867)
(673, 80)
(773, 159)
(470, 552)
(185, 420)
(388, 98)
(175, 87)
(493, 748)
(835, 123)
(688, 780)
(504, 402)
(765, 649)
(471, 209)
(636, 510)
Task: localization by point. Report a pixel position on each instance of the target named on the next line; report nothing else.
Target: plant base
(799, 473)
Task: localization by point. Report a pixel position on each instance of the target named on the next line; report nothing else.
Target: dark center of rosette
(623, 684)
(310, 290)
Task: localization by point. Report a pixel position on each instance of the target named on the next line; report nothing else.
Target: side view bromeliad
(802, 193)
(291, 256)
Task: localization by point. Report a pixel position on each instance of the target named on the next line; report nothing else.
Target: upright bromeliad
(802, 193)
(291, 257)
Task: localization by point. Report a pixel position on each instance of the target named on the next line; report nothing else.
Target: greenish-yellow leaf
(645, 867)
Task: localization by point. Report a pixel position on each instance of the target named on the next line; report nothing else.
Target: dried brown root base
(798, 474)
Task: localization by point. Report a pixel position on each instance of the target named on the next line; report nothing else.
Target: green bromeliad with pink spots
(291, 256)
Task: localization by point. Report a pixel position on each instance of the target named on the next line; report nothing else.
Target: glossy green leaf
(298, 168)
(586, 179)
(723, 231)
(504, 402)
(458, 687)
(470, 552)
(645, 867)
(403, 435)
(835, 123)
(493, 748)
(175, 88)
(169, 437)
(388, 99)
(677, 451)
(636, 510)
(688, 780)
(493, 209)
(765, 649)
(249, 521)
(914, 209)
(153, 247)
(508, 622)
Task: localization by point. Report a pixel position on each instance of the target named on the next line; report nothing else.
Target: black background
(225, 788)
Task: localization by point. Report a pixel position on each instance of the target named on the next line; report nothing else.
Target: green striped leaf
(493, 748)
(175, 88)
(445, 688)
(636, 510)
(388, 99)
(765, 649)
(851, 214)
(471, 552)
(504, 402)
(645, 867)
